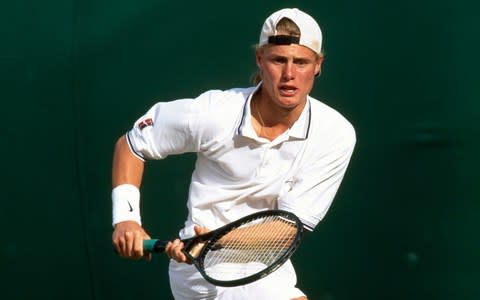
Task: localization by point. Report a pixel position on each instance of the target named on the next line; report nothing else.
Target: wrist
(126, 204)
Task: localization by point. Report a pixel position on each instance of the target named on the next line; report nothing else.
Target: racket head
(250, 248)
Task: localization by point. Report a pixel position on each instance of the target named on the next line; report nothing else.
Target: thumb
(199, 230)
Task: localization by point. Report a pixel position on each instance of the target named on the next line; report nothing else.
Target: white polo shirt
(238, 173)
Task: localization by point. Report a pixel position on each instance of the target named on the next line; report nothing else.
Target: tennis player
(269, 146)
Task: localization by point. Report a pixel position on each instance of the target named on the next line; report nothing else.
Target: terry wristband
(125, 204)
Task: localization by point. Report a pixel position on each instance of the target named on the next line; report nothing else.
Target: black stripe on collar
(309, 118)
(244, 116)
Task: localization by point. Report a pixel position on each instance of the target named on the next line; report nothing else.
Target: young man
(271, 146)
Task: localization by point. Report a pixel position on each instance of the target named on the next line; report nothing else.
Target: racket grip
(153, 245)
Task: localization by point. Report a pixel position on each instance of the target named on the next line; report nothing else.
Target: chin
(288, 102)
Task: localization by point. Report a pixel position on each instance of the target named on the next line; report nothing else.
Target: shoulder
(217, 113)
(209, 104)
(218, 105)
(327, 121)
(230, 97)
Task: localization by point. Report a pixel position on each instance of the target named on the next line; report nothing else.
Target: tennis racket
(242, 251)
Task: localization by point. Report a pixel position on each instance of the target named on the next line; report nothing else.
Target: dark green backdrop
(76, 74)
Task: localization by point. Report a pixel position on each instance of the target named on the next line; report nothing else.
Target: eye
(301, 62)
(278, 60)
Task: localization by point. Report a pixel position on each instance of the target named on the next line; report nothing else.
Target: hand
(127, 238)
(174, 248)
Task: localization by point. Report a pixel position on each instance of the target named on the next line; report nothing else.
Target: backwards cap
(310, 33)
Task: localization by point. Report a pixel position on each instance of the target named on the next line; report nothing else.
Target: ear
(318, 65)
(258, 57)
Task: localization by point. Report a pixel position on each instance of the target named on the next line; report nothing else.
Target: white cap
(310, 33)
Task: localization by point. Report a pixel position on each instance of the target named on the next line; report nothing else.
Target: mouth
(288, 90)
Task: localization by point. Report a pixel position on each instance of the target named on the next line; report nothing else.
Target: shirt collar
(299, 129)
(245, 127)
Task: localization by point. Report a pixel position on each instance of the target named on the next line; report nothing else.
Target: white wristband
(125, 204)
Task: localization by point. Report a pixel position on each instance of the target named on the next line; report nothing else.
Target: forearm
(128, 235)
(127, 171)
(126, 168)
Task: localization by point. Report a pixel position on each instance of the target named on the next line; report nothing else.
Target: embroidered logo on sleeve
(145, 123)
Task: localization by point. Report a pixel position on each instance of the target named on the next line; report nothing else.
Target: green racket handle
(154, 245)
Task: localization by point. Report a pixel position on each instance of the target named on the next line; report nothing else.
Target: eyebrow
(295, 58)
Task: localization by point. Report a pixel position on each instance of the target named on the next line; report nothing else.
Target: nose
(288, 71)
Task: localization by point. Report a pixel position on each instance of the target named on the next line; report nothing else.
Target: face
(288, 73)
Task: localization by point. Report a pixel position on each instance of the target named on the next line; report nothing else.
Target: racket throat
(193, 248)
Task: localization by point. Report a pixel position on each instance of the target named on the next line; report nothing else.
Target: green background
(75, 75)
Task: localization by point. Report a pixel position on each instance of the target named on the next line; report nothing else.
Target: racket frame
(209, 239)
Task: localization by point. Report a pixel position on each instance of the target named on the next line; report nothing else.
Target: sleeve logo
(144, 123)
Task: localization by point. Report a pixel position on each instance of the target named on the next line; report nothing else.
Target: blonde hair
(284, 27)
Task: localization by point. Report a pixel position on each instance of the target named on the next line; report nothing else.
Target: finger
(169, 250)
(199, 230)
(121, 248)
(175, 251)
(138, 245)
(115, 244)
(175, 248)
(129, 239)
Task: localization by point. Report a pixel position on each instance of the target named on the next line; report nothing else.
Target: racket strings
(255, 246)
(277, 244)
(251, 247)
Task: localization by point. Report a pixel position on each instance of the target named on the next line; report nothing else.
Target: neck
(270, 121)
(273, 114)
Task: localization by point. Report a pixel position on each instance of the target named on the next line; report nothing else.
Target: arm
(127, 168)
(128, 235)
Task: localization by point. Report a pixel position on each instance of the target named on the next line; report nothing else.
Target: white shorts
(187, 284)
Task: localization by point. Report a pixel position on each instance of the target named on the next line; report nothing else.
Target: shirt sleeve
(164, 130)
(310, 191)
(177, 126)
